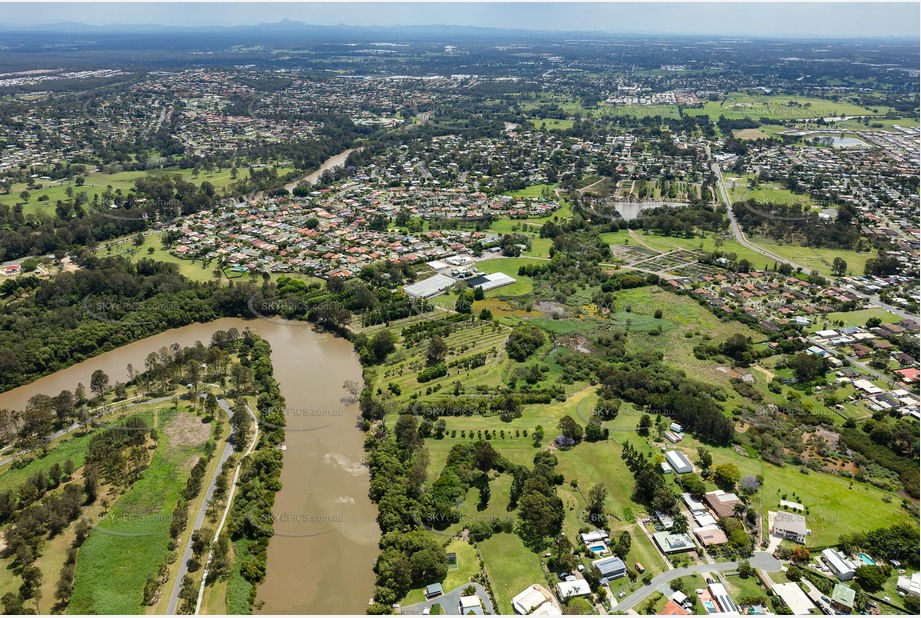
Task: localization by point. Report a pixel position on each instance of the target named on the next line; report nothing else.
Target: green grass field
(193, 269)
(73, 448)
(467, 566)
(121, 553)
(670, 243)
(505, 226)
(887, 124)
(836, 505)
(511, 567)
(509, 266)
(97, 182)
(741, 105)
(857, 318)
(749, 586)
(532, 190)
(815, 258)
(552, 124)
(766, 192)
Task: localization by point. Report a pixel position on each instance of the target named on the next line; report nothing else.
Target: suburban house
(575, 588)
(719, 594)
(596, 541)
(910, 585)
(673, 609)
(665, 519)
(610, 568)
(694, 505)
(794, 598)
(471, 605)
(722, 502)
(594, 536)
(673, 543)
(839, 564)
(535, 600)
(790, 526)
(710, 535)
(433, 590)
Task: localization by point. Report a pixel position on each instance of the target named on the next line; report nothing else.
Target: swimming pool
(866, 559)
(709, 607)
(598, 548)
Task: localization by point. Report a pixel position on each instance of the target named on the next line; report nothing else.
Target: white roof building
(910, 585)
(694, 505)
(536, 601)
(839, 564)
(794, 598)
(679, 462)
(595, 535)
(867, 387)
(721, 596)
(427, 288)
(470, 604)
(576, 588)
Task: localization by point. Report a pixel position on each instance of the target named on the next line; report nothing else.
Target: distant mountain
(285, 25)
(339, 32)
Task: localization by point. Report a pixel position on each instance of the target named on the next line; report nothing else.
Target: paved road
(759, 560)
(739, 235)
(200, 518)
(450, 601)
(106, 409)
(857, 363)
(162, 117)
(736, 229)
(220, 526)
(874, 300)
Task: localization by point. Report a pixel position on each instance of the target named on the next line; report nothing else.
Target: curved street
(759, 560)
(450, 601)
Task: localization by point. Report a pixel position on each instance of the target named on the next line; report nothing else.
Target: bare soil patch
(186, 429)
(750, 134)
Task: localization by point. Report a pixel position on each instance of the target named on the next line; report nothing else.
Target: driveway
(759, 560)
(450, 602)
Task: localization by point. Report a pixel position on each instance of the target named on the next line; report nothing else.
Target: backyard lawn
(511, 567)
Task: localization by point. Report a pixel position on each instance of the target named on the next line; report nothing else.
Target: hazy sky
(844, 19)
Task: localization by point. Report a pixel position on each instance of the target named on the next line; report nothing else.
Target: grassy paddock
(511, 567)
(815, 258)
(114, 565)
(467, 566)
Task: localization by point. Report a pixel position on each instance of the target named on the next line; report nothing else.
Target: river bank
(321, 557)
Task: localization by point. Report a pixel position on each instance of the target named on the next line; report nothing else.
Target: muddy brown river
(321, 557)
